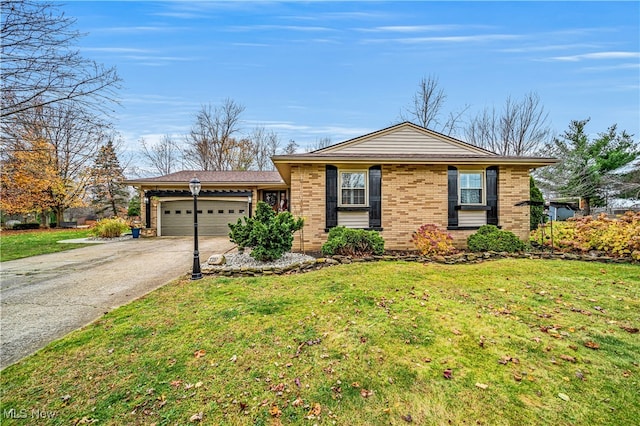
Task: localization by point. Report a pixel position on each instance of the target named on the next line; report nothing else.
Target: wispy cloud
(476, 38)
(157, 61)
(410, 28)
(627, 66)
(596, 56)
(143, 29)
(303, 133)
(300, 28)
(116, 50)
(549, 47)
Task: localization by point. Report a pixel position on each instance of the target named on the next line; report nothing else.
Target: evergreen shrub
(491, 238)
(269, 235)
(353, 242)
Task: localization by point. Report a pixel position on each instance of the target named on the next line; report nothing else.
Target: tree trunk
(587, 206)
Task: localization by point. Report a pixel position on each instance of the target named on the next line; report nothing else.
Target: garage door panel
(213, 217)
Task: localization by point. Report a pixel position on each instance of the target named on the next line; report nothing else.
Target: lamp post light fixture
(194, 187)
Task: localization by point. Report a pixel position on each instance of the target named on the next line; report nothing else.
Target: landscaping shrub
(23, 226)
(431, 241)
(614, 237)
(269, 235)
(491, 238)
(110, 228)
(353, 242)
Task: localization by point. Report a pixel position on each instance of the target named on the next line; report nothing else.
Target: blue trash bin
(135, 232)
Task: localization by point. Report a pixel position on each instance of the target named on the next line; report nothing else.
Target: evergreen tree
(108, 190)
(588, 169)
(537, 211)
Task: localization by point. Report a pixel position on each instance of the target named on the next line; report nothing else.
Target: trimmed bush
(110, 228)
(491, 238)
(269, 235)
(353, 242)
(431, 241)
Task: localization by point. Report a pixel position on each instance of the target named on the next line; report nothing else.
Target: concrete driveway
(45, 297)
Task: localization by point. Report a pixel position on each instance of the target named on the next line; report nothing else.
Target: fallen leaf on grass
(568, 358)
(591, 345)
(196, 417)
(274, 411)
(506, 359)
(365, 393)
(199, 353)
(277, 388)
(482, 385)
(407, 418)
(86, 421)
(632, 330)
(355, 385)
(316, 409)
(517, 377)
(564, 396)
(298, 402)
(297, 382)
(456, 332)
(448, 374)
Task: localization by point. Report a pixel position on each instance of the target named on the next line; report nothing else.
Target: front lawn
(19, 244)
(506, 342)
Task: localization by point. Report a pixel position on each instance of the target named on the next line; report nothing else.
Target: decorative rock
(239, 265)
(217, 259)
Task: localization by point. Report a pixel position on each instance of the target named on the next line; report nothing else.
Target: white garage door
(213, 217)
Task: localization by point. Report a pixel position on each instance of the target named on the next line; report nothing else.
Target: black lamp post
(194, 187)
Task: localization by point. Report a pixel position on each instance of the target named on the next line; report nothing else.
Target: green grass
(359, 344)
(16, 245)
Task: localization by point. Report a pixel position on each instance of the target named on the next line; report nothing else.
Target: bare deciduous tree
(211, 144)
(41, 67)
(290, 148)
(426, 110)
(520, 129)
(265, 144)
(162, 156)
(319, 144)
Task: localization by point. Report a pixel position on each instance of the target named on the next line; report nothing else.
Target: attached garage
(176, 217)
(225, 196)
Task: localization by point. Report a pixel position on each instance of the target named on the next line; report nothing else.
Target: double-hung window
(353, 188)
(471, 187)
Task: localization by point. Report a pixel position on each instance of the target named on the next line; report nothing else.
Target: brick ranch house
(393, 180)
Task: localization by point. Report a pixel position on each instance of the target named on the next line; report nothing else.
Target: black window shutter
(375, 197)
(331, 205)
(492, 195)
(452, 178)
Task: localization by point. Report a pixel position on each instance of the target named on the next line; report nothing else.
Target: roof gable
(404, 138)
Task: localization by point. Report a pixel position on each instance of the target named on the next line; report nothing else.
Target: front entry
(277, 200)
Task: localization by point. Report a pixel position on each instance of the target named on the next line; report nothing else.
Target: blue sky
(311, 70)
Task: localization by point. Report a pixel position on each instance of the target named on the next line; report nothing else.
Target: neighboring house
(392, 181)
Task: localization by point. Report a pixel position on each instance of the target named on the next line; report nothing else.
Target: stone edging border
(323, 262)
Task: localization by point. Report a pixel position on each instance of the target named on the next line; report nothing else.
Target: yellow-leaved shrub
(618, 237)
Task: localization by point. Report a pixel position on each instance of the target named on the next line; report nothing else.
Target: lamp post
(194, 187)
